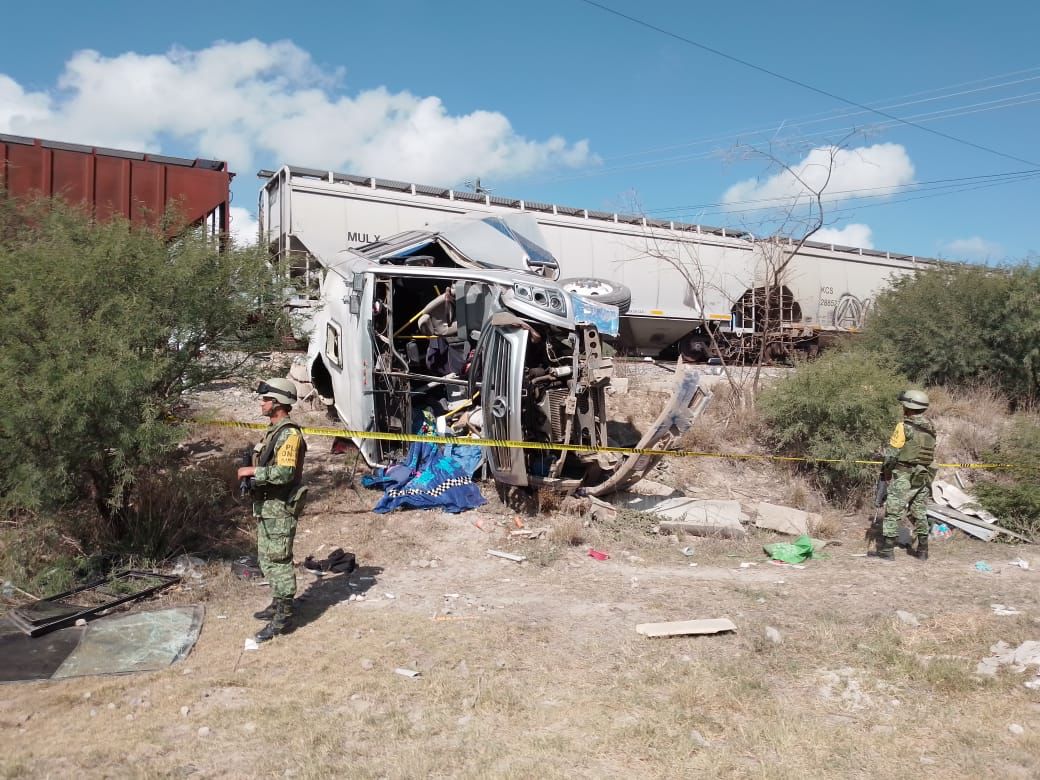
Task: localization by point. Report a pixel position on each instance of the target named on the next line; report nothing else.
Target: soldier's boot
(267, 612)
(885, 549)
(921, 551)
(281, 623)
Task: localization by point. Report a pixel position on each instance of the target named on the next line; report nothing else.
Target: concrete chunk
(700, 517)
(783, 519)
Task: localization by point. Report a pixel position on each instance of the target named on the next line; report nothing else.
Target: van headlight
(543, 297)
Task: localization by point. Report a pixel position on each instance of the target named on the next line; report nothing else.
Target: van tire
(599, 291)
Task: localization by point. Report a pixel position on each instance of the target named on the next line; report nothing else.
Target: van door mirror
(357, 288)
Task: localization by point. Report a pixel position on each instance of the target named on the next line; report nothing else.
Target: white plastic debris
(406, 672)
(1000, 609)
(250, 644)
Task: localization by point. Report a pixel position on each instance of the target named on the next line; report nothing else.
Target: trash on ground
(530, 533)
(246, 568)
(250, 644)
(687, 551)
(188, 564)
(982, 566)
(117, 644)
(1000, 609)
(508, 556)
(801, 549)
(955, 507)
(687, 627)
(406, 672)
(336, 562)
(61, 610)
(1020, 563)
(599, 555)
(747, 564)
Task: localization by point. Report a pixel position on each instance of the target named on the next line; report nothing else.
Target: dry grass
(969, 422)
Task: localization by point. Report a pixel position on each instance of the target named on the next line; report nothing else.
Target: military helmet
(281, 390)
(914, 399)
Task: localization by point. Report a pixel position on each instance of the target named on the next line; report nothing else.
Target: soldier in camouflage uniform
(908, 460)
(276, 475)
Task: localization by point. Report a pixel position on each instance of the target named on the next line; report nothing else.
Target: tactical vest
(266, 456)
(919, 449)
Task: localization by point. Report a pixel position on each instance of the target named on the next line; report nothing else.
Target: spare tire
(599, 291)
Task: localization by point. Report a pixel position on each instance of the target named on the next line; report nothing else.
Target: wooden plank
(687, 627)
(508, 556)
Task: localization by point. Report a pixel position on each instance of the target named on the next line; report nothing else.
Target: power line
(834, 114)
(852, 194)
(804, 85)
(931, 116)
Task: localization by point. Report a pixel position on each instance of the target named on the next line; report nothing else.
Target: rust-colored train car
(137, 186)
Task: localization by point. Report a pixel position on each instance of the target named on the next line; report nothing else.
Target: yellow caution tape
(549, 447)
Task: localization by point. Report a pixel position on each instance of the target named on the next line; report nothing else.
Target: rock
(908, 618)
(773, 635)
(184, 711)
(203, 731)
(1017, 730)
(698, 739)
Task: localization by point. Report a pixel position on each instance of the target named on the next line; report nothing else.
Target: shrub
(841, 407)
(102, 328)
(1014, 495)
(961, 324)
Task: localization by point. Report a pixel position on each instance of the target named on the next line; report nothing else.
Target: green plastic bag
(801, 549)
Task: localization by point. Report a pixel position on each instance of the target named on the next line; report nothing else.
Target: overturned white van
(465, 323)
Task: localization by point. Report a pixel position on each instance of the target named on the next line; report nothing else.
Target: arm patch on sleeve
(289, 450)
(898, 437)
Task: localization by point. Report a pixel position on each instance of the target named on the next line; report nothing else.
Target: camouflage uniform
(279, 470)
(909, 456)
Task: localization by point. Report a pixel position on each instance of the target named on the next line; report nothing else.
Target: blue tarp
(431, 476)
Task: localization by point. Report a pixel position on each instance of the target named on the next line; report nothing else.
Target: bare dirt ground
(535, 669)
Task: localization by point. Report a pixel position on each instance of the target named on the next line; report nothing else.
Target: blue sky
(566, 102)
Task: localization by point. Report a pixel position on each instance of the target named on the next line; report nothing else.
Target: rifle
(246, 484)
(880, 494)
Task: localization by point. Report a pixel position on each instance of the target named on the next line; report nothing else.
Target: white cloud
(869, 170)
(974, 248)
(17, 104)
(253, 101)
(854, 234)
(244, 226)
